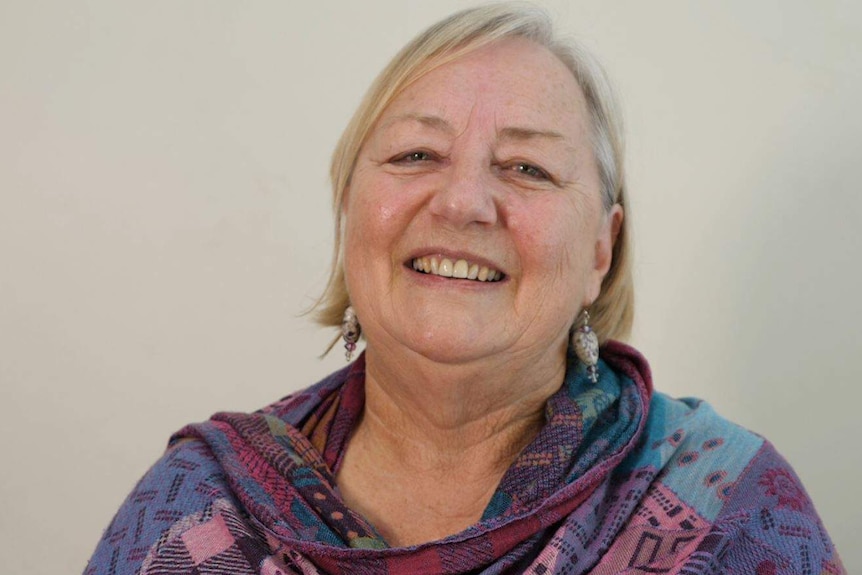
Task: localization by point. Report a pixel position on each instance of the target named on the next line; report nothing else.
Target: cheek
(367, 220)
(376, 218)
(369, 212)
(553, 237)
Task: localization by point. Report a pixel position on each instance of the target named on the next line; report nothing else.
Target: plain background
(164, 220)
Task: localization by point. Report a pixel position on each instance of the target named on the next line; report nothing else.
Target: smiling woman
(496, 174)
(482, 247)
(450, 177)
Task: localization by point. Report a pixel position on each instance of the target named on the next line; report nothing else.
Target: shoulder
(191, 492)
(693, 452)
(736, 481)
(185, 481)
(770, 515)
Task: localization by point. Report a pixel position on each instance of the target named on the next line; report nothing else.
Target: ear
(609, 230)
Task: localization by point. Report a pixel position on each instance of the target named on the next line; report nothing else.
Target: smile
(458, 269)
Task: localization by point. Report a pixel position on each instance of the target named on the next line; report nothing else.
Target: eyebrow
(508, 133)
(434, 122)
(516, 133)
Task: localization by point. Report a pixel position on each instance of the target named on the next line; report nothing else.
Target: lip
(455, 255)
(432, 279)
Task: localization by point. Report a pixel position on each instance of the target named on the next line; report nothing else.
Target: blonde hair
(461, 33)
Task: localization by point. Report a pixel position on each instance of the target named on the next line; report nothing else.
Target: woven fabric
(619, 480)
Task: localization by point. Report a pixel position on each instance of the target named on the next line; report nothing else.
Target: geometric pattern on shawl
(765, 523)
(261, 511)
(283, 481)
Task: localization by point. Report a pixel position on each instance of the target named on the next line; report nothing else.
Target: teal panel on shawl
(699, 454)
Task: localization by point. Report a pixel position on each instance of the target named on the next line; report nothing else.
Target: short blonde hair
(612, 313)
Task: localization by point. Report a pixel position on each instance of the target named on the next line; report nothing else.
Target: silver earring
(350, 331)
(586, 344)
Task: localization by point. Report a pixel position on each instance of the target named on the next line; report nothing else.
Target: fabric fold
(618, 480)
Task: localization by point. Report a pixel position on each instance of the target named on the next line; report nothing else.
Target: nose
(466, 196)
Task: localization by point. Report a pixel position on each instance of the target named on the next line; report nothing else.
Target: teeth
(445, 269)
(460, 269)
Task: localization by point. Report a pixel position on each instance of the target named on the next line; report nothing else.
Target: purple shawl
(619, 480)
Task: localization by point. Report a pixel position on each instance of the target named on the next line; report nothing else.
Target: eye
(413, 157)
(531, 171)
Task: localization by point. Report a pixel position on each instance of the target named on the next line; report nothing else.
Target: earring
(586, 344)
(350, 331)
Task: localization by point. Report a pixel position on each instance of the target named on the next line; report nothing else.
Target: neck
(439, 438)
(441, 413)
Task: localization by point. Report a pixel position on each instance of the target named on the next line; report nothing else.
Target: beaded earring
(350, 330)
(586, 344)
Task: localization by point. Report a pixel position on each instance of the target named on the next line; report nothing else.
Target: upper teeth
(457, 269)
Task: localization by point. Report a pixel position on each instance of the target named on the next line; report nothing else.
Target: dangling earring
(350, 331)
(586, 344)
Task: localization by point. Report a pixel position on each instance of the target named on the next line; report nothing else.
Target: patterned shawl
(619, 480)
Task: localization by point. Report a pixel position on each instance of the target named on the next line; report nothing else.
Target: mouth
(455, 269)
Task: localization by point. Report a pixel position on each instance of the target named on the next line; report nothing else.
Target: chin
(451, 356)
(450, 346)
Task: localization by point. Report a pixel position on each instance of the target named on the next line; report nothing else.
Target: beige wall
(164, 219)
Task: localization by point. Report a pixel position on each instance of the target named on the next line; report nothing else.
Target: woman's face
(482, 167)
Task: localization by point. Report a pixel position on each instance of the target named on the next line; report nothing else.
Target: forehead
(515, 81)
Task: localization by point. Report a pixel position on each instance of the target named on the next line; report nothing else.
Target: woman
(480, 213)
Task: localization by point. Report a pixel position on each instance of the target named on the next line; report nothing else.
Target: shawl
(618, 480)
